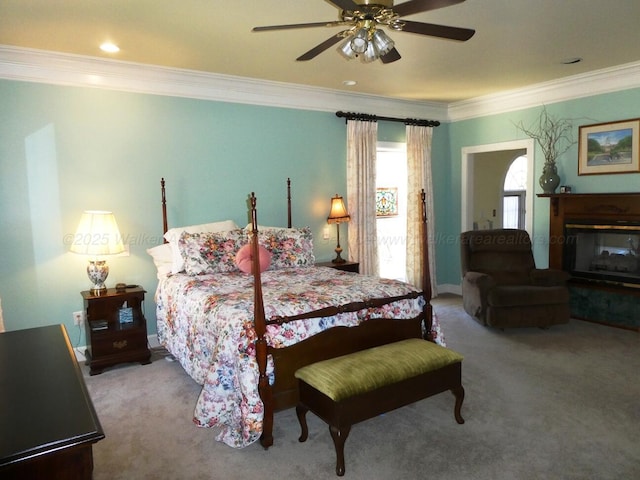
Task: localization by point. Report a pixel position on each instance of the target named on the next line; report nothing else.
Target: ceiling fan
(365, 39)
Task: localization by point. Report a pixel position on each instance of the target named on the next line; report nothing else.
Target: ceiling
(517, 42)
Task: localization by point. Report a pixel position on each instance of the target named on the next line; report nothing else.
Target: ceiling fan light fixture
(382, 42)
(359, 42)
(370, 54)
(346, 50)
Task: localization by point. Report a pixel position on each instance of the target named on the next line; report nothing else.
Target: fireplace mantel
(586, 207)
(612, 203)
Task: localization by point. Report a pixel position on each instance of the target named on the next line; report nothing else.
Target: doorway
(472, 199)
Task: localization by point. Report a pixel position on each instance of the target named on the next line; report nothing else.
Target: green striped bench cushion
(366, 370)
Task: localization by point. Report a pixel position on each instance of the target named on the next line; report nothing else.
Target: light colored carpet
(562, 403)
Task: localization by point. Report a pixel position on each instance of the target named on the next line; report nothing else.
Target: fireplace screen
(603, 252)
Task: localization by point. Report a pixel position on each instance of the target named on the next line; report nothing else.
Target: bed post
(164, 208)
(289, 203)
(266, 439)
(426, 274)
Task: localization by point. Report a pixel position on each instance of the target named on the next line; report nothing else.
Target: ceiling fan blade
(391, 56)
(442, 31)
(297, 25)
(345, 4)
(417, 6)
(318, 49)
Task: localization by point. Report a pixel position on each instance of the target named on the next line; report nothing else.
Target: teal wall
(67, 149)
(501, 128)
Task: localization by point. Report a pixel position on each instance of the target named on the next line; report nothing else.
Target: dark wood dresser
(47, 421)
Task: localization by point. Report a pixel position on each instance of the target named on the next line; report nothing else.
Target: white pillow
(173, 236)
(162, 259)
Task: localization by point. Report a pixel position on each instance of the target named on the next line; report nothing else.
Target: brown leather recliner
(501, 286)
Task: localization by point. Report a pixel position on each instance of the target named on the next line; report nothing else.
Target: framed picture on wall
(606, 148)
(386, 202)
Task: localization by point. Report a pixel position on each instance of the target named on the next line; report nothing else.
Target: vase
(549, 180)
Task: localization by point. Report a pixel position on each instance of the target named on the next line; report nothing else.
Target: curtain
(419, 177)
(362, 140)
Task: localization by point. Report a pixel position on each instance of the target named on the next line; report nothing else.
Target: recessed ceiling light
(571, 61)
(109, 47)
(349, 83)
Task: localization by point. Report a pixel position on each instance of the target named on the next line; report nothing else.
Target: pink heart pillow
(244, 258)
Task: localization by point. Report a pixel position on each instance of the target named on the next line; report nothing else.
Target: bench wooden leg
(301, 412)
(459, 394)
(339, 437)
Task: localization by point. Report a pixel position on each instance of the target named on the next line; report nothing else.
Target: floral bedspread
(205, 321)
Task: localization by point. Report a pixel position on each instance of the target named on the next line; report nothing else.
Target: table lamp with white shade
(97, 236)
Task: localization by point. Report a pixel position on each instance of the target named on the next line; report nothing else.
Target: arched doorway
(515, 194)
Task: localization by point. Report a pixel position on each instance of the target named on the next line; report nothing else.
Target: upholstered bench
(355, 387)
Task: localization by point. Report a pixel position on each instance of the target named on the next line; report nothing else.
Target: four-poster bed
(243, 335)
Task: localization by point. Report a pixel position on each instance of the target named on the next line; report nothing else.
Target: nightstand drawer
(115, 343)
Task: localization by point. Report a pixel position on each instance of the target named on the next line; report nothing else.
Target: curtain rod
(374, 118)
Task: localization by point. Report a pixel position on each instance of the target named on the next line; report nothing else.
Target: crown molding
(42, 66)
(621, 77)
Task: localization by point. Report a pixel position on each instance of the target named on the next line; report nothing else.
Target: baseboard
(79, 351)
(450, 288)
(152, 340)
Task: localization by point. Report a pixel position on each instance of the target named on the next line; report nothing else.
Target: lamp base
(338, 258)
(338, 248)
(98, 271)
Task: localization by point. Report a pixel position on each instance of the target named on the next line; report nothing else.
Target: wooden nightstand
(114, 335)
(346, 266)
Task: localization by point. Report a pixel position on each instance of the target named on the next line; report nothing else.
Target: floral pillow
(211, 252)
(173, 237)
(289, 247)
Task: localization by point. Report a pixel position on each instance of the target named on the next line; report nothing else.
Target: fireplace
(596, 239)
(603, 251)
